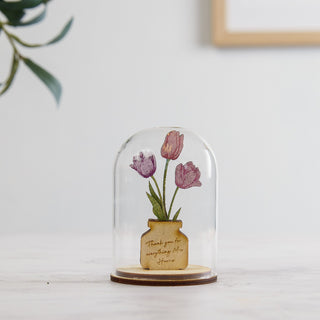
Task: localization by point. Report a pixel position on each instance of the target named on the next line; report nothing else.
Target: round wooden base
(136, 275)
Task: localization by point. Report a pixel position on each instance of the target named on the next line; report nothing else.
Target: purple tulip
(172, 145)
(187, 175)
(145, 164)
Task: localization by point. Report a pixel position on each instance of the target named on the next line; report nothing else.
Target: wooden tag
(164, 246)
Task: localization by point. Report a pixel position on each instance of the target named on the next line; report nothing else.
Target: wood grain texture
(162, 283)
(192, 275)
(221, 37)
(191, 272)
(66, 277)
(164, 246)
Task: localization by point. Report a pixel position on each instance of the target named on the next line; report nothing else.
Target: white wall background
(129, 65)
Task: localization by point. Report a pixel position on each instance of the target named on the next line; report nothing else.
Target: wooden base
(136, 275)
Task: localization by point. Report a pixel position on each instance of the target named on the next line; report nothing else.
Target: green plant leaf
(14, 67)
(34, 20)
(63, 32)
(154, 195)
(156, 208)
(48, 79)
(18, 5)
(13, 17)
(175, 217)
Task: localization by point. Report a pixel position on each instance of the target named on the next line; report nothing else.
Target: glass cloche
(165, 199)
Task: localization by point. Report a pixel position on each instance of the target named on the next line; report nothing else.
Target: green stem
(174, 195)
(158, 189)
(164, 187)
(159, 192)
(16, 56)
(9, 36)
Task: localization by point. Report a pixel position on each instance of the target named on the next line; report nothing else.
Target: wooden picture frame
(222, 37)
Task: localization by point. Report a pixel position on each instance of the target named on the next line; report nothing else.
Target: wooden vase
(164, 246)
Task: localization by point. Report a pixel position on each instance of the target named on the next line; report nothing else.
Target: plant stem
(9, 36)
(159, 192)
(158, 189)
(16, 57)
(174, 195)
(164, 187)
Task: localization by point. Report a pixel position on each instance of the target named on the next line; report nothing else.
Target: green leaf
(176, 215)
(34, 20)
(48, 79)
(18, 5)
(13, 17)
(63, 32)
(154, 195)
(156, 208)
(14, 67)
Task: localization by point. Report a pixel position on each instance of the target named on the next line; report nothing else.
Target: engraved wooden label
(164, 246)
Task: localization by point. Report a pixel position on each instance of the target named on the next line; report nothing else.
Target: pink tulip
(172, 145)
(144, 164)
(187, 175)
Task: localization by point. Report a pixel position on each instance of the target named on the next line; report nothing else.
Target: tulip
(187, 176)
(172, 145)
(144, 164)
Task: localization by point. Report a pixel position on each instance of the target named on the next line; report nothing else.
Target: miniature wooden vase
(164, 246)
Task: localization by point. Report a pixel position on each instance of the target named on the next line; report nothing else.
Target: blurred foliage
(13, 16)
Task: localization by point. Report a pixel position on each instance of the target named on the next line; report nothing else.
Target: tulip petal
(144, 164)
(187, 176)
(172, 145)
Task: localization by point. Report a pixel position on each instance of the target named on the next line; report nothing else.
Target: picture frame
(222, 36)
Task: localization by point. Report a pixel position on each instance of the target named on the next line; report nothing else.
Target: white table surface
(65, 277)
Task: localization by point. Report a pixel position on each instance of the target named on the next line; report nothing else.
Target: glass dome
(165, 199)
